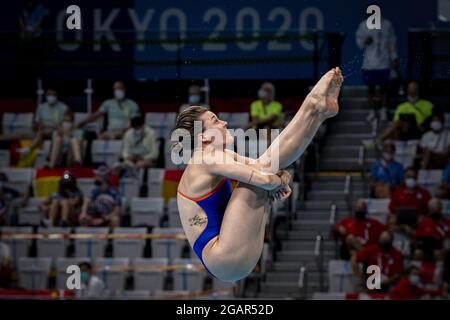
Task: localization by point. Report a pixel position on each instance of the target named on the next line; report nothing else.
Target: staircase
(339, 155)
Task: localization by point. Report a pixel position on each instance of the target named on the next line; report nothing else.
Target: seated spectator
(66, 143)
(139, 145)
(194, 99)
(119, 111)
(404, 129)
(435, 145)
(48, 118)
(103, 207)
(266, 112)
(420, 109)
(357, 231)
(63, 208)
(383, 255)
(386, 173)
(432, 230)
(92, 287)
(10, 200)
(409, 287)
(5, 265)
(408, 195)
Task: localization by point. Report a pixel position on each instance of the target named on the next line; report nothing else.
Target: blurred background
(86, 176)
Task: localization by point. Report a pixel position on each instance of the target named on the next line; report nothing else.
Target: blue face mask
(84, 277)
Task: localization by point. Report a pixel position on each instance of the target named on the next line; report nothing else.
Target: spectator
(432, 230)
(63, 208)
(48, 118)
(103, 208)
(420, 108)
(386, 173)
(435, 145)
(266, 112)
(194, 99)
(10, 199)
(383, 255)
(119, 111)
(139, 145)
(5, 265)
(358, 231)
(92, 287)
(380, 55)
(409, 287)
(408, 195)
(66, 142)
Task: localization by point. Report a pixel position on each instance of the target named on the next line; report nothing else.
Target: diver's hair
(185, 120)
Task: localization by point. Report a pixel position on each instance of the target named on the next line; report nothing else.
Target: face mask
(385, 245)
(360, 214)
(410, 183)
(262, 94)
(50, 99)
(67, 125)
(84, 277)
(388, 156)
(194, 99)
(413, 99)
(436, 125)
(119, 94)
(414, 279)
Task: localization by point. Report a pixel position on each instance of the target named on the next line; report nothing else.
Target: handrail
(348, 191)
(362, 165)
(318, 253)
(333, 213)
(303, 283)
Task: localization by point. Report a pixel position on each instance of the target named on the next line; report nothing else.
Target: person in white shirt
(194, 99)
(92, 287)
(380, 56)
(435, 145)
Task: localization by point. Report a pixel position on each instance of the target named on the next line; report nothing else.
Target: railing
(348, 191)
(333, 219)
(303, 283)
(318, 253)
(363, 169)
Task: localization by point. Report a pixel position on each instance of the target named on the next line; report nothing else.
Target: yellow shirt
(422, 109)
(258, 110)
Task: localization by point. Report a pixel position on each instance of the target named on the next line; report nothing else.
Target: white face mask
(413, 99)
(67, 125)
(388, 156)
(194, 99)
(50, 99)
(119, 94)
(410, 182)
(262, 94)
(436, 125)
(414, 279)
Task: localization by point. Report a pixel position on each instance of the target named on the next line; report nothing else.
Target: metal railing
(319, 255)
(303, 283)
(348, 191)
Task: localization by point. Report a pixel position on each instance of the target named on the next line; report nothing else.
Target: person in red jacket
(357, 231)
(408, 195)
(432, 230)
(383, 255)
(409, 287)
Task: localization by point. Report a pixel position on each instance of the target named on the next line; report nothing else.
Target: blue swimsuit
(214, 204)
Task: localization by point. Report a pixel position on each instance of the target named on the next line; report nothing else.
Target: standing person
(380, 56)
(119, 112)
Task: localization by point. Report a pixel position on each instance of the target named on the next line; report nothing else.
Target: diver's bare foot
(323, 97)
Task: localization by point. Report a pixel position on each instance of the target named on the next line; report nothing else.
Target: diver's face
(215, 130)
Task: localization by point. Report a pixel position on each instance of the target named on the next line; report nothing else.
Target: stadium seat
(4, 158)
(329, 296)
(17, 123)
(19, 247)
(430, 179)
(174, 294)
(174, 215)
(406, 151)
(129, 188)
(34, 273)
(340, 276)
(168, 248)
(31, 214)
(157, 120)
(150, 274)
(136, 295)
(52, 248)
(154, 182)
(61, 270)
(236, 120)
(146, 211)
(106, 151)
(128, 248)
(187, 277)
(19, 178)
(90, 247)
(113, 272)
(378, 209)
